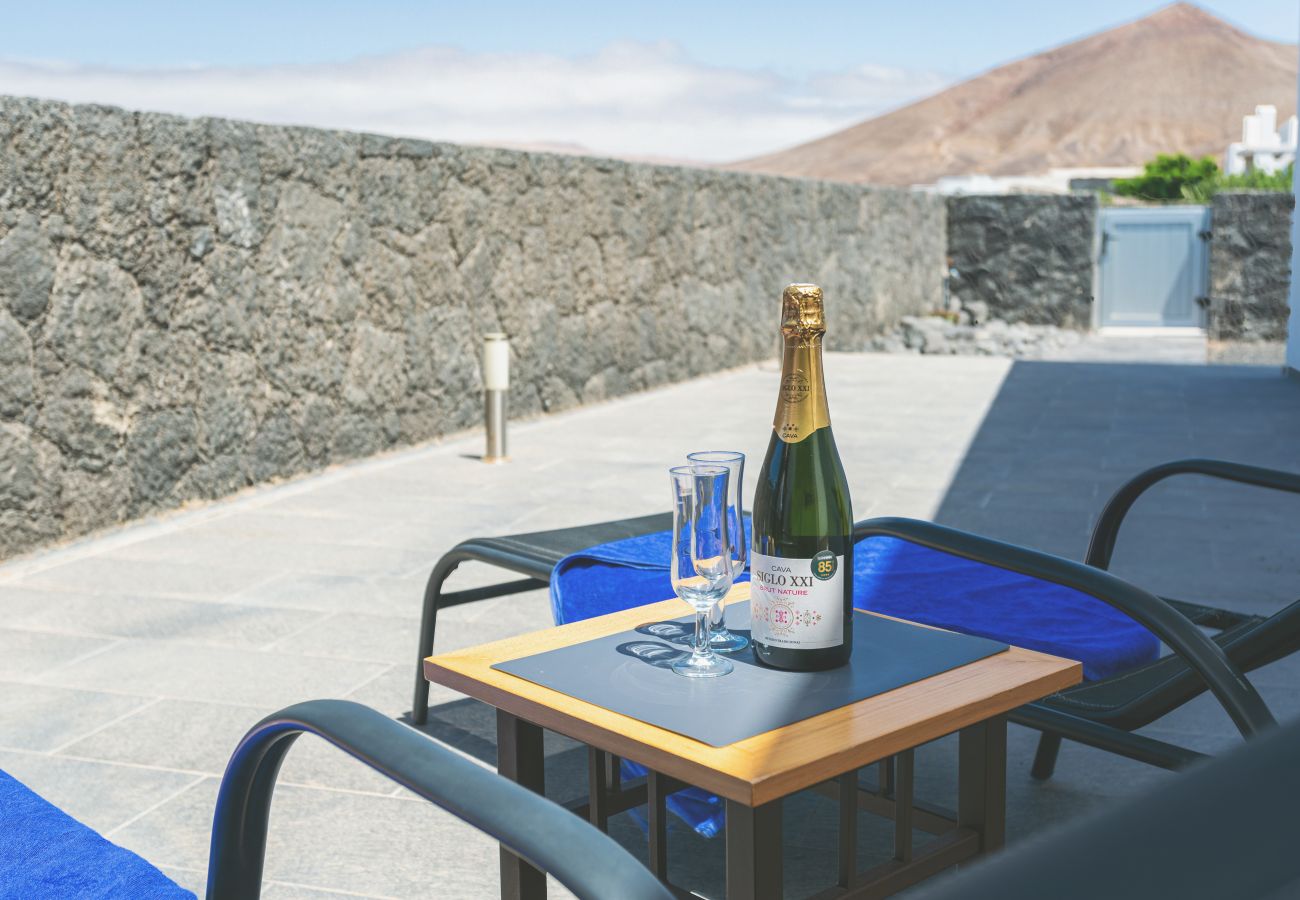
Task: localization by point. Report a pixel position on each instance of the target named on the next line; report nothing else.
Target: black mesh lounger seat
(533, 555)
(1103, 713)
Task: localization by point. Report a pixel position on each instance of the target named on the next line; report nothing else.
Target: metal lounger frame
(532, 555)
(581, 857)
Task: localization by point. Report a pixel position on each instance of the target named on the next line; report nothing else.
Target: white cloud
(630, 99)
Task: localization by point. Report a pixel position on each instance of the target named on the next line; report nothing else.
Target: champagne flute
(701, 562)
(722, 640)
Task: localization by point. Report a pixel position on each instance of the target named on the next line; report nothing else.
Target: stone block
(27, 261)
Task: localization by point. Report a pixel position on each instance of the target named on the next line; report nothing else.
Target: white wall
(1293, 324)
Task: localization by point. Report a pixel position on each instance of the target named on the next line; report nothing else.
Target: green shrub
(1177, 178)
(1257, 180)
(1168, 178)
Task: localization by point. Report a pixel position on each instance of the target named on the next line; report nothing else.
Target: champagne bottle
(802, 560)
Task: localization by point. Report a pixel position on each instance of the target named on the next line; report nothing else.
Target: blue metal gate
(1154, 266)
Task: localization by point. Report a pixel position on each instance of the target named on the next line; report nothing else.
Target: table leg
(753, 851)
(597, 790)
(903, 800)
(982, 781)
(847, 788)
(520, 758)
(657, 823)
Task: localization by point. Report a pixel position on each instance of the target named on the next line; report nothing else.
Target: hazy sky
(709, 81)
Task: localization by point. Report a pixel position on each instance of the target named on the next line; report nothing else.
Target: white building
(1053, 181)
(1263, 145)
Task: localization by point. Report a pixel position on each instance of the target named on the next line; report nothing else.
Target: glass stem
(702, 632)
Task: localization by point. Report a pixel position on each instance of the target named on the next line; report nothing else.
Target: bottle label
(797, 603)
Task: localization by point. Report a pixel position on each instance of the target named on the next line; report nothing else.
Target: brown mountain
(1178, 80)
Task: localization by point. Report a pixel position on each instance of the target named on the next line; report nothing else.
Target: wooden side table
(823, 752)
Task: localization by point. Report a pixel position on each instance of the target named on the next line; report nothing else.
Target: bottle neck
(801, 404)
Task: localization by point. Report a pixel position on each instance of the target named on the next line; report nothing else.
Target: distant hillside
(1177, 80)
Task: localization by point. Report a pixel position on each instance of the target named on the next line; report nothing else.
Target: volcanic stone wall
(1250, 266)
(1024, 257)
(188, 307)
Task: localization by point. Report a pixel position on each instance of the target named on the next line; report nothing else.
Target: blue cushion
(897, 578)
(890, 576)
(44, 852)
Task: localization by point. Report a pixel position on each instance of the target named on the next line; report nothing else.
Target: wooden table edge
(751, 792)
(785, 783)
(610, 741)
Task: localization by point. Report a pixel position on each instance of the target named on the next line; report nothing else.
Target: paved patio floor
(131, 663)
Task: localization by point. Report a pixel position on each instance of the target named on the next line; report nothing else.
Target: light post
(496, 384)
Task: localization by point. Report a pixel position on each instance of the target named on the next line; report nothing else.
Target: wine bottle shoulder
(801, 501)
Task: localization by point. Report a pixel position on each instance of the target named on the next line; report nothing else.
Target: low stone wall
(1250, 267)
(1023, 257)
(188, 307)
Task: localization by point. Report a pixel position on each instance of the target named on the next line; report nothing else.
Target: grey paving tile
(189, 545)
(359, 843)
(289, 555)
(102, 795)
(200, 737)
(269, 523)
(279, 890)
(337, 503)
(186, 735)
(105, 575)
(391, 693)
(385, 639)
(315, 763)
(223, 674)
(19, 602)
(339, 593)
(166, 617)
(26, 655)
(498, 617)
(41, 717)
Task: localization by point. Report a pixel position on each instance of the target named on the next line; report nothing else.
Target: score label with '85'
(798, 603)
(825, 565)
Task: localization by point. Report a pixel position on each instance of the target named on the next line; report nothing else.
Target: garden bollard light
(496, 382)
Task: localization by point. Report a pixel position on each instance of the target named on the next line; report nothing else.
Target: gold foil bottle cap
(801, 311)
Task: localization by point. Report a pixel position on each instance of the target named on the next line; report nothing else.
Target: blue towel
(899, 578)
(890, 576)
(44, 852)
(614, 576)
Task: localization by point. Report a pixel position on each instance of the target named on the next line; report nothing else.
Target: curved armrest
(1237, 695)
(585, 860)
(1102, 545)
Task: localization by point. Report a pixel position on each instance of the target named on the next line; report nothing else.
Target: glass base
(710, 666)
(727, 641)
